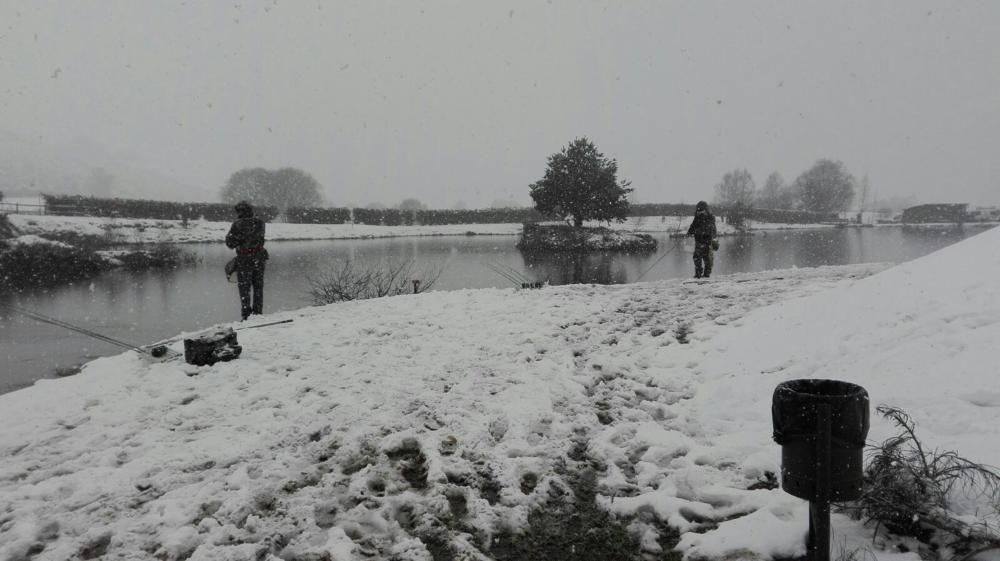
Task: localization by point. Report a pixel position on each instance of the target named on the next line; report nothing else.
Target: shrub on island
(563, 237)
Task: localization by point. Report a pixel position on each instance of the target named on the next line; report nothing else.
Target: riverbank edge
(63, 257)
(135, 231)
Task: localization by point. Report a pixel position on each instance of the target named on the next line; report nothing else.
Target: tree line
(579, 183)
(827, 186)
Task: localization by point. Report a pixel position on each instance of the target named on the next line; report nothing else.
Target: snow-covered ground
(31, 239)
(125, 230)
(174, 231)
(360, 428)
(679, 225)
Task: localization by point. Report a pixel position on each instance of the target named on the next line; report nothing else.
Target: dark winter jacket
(246, 236)
(703, 225)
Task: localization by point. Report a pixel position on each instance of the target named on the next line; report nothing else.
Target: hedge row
(395, 217)
(76, 205)
(790, 216)
(663, 209)
(383, 216)
(297, 215)
(756, 214)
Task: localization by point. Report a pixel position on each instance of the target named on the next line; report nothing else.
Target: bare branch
(350, 281)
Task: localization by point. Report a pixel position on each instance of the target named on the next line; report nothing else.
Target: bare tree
(353, 281)
(736, 189)
(736, 193)
(776, 194)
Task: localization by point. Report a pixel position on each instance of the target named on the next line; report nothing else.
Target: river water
(144, 307)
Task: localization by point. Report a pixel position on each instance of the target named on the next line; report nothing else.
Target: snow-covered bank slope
(362, 426)
(923, 336)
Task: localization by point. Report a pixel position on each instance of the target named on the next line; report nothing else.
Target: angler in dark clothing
(703, 230)
(246, 236)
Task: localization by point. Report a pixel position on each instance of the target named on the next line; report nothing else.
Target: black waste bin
(798, 411)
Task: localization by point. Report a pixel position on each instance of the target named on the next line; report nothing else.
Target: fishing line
(84, 331)
(678, 243)
(516, 274)
(505, 275)
(175, 339)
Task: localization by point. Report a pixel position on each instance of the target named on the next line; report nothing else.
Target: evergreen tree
(580, 183)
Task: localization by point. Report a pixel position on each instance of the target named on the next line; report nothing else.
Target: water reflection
(578, 268)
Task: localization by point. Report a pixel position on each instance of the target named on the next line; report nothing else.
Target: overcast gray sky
(449, 101)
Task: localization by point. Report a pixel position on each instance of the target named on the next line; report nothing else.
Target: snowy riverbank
(121, 230)
(175, 231)
(384, 427)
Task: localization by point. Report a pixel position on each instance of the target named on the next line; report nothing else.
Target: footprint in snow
(70, 423)
(982, 399)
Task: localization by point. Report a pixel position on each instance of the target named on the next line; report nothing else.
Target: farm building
(930, 213)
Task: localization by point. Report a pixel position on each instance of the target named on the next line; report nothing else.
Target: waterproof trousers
(703, 260)
(251, 285)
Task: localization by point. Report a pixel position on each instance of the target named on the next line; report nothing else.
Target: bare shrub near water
(43, 265)
(349, 280)
(157, 256)
(6, 228)
(910, 491)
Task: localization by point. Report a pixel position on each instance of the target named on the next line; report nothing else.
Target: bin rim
(799, 387)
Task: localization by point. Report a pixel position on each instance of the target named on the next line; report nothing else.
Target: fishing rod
(264, 324)
(514, 281)
(156, 352)
(679, 242)
(165, 342)
(516, 274)
(510, 278)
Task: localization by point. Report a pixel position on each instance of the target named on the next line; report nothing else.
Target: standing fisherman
(703, 230)
(246, 236)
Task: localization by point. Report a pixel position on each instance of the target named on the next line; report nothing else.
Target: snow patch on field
(31, 239)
